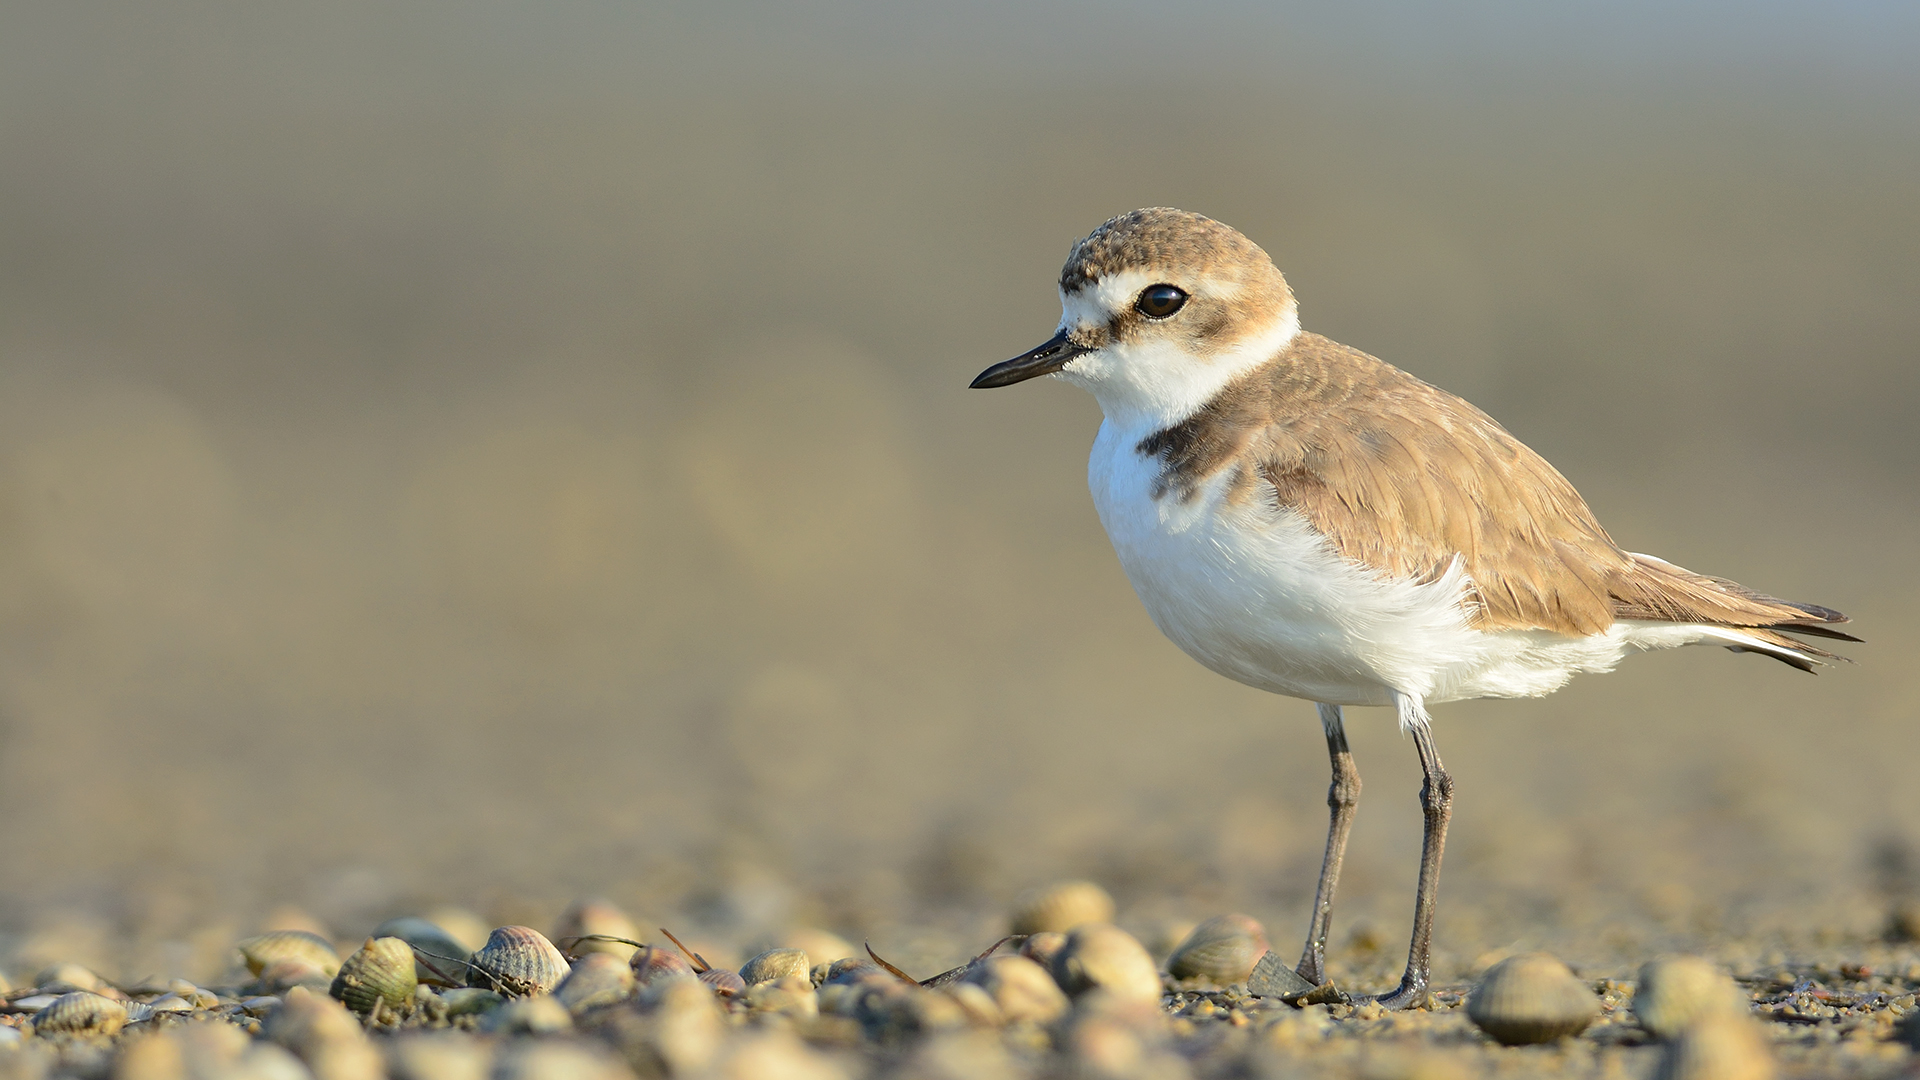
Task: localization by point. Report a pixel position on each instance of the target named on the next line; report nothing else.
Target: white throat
(1156, 384)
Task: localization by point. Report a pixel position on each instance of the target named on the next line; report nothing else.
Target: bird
(1304, 518)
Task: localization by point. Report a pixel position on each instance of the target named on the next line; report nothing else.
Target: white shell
(1531, 998)
(1061, 907)
(1103, 956)
(517, 961)
(1675, 992)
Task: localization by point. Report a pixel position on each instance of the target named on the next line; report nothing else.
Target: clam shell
(517, 961)
(1718, 1047)
(1061, 907)
(1040, 948)
(80, 1013)
(382, 970)
(596, 979)
(64, 978)
(653, 962)
(1021, 989)
(431, 945)
(1223, 949)
(775, 964)
(725, 983)
(1674, 992)
(1532, 998)
(1103, 956)
(789, 995)
(849, 969)
(584, 917)
(296, 945)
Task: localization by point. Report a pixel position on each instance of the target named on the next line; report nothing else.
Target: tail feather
(1748, 621)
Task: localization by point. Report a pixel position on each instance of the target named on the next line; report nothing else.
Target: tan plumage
(1403, 477)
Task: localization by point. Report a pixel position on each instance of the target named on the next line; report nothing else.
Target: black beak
(1045, 360)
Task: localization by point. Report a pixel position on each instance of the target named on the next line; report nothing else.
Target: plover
(1301, 517)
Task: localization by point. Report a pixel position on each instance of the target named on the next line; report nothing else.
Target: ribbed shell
(725, 983)
(80, 1013)
(1061, 907)
(1531, 998)
(382, 970)
(1675, 992)
(653, 962)
(1718, 1047)
(1223, 949)
(517, 960)
(297, 945)
(775, 964)
(1103, 956)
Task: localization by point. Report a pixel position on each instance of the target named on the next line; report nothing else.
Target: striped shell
(1061, 907)
(1718, 1047)
(80, 1013)
(517, 961)
(1103, 956)
(596, 979)
(725, 983)
(1675, 992)
(1531, 998)
(775, 964)
(382, 970)
(1222, 949)
(295, 945)
(652, 962)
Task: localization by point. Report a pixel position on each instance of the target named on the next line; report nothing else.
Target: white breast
(1255, 593)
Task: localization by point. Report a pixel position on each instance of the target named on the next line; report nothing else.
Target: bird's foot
(1412, 993)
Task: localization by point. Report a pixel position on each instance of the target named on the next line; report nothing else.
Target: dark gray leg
(1342, 795)
(1436, 800)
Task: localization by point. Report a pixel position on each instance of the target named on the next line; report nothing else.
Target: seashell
(314, 1027)
(1717, 1047)
(688, 1025)
(437, 1056)
(80, 1012)
(281, 976)
(170, 1003)
(850, 969)
(65, 978)
(725, 983)
(1531, 998)
(1022, 990)
(789, 995)
(1674, 992)
(596, 979)
(585, 917)
(298, 945)
(517, 961)
(539, 1015)
(1061, 907)
(653, 962)
(1040, 948)
(432, 945)
(1103, 956)
(774, 964)
(1223, 949)
(201, 999)
(382, 970)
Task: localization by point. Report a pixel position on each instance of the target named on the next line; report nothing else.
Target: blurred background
(488, 453)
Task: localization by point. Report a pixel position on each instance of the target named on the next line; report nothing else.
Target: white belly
(1254, 593)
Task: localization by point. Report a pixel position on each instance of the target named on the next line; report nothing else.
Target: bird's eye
(1160, 301)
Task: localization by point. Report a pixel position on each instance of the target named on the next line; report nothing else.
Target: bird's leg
(1342, 795)
(1436, 800)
